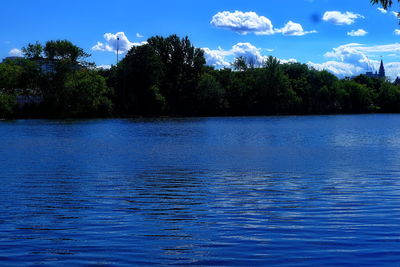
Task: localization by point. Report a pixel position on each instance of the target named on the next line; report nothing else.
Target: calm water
(295, 191)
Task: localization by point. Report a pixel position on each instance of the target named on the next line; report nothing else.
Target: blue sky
(316, 32)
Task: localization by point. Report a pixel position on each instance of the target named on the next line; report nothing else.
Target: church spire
(381, 71)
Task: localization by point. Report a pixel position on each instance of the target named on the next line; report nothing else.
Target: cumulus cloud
(293, 29)
(243, 22)
(397, 32)
(112, 43)
(339, 18)
(344, 61)
(15, 52)
(250, 22)
(392, 69)
(248, 51)
(396, 14)
(290, 60)
(104, 67)
(349, 53)
(382, 10)
(220, 58)
(339, 69)
(359, 32)
(216, 58)
(353, 59)
(138, 35)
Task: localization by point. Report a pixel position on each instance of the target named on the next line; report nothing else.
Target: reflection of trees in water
(192, 213)
(169, 194)
(171, 204)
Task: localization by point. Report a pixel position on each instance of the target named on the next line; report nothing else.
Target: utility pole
(117, 50)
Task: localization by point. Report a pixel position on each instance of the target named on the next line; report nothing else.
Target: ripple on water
(320, 190)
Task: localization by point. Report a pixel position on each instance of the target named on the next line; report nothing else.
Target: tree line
(168, 76)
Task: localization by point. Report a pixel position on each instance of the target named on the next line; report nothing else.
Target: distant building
(12, 59)
(24, 100)
(381, 74)
(46, 66)
(26, 97)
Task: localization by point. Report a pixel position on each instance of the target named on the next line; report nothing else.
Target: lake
(256, 191)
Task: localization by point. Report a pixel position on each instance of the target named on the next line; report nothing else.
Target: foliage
(385, 3)
(10, 76)
(84, 94)
(209, 96)
(182, 66)
(168, 77)
(239, 64)
(33, 51)
(138, 79)
(64, 50)
(7, 105)
(389, 98)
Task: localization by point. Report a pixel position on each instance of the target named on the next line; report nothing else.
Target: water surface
(295, 191)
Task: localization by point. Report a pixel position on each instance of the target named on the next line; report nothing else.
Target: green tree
(33, 51)
(64, 50)
(277, 96)
(322, 94)
(209, 96)
(182, 65)
(389, 98)
(84, 94)
(384, 3)
(10, 77)
(7, 105)
(360, 97)
(139, 76)
(239, 64)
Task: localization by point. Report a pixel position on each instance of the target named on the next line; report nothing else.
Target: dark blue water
(295, 191)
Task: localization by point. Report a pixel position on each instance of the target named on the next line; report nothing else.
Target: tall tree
(64, 50)
(385, 3)
(183, 66)
(33, 51)
(239, 64)
(139, 77)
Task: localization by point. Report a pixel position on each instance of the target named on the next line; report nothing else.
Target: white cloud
(359, 32)
(382, 10)
(15, 52)
(339, 69)
(112, 43)
(216, 58)
(392, 70)
(243, 22)
(138, 35)
(290, 60)
(221, 58)
(397, 32)
(105, 67)
(344, 61)
(353, 59)
(395, 14)
(349, 54)
(248, 51)
(339, 18)
(293, 29)
(250, 22)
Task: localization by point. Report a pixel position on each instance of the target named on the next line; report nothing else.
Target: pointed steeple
(382, 70)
